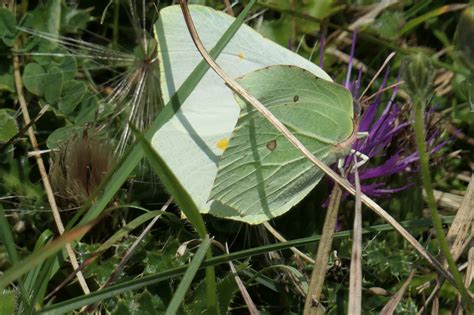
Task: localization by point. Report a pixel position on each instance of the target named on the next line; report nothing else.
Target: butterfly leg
(340, 167)
(363, 159)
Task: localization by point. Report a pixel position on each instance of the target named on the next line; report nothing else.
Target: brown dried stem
(42, 170)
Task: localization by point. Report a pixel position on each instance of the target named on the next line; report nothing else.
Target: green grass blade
(31, 277)
(6, 237)
(130, 226)
(432, 14)
(33, 285)
(39, 257)
(133, 156)
(127, 286)
(187, 205)
(188, 277)
(45, 274)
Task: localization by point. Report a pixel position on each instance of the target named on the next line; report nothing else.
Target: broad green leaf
(7, 26)
(7, 82)
(87, 109)
(190, 143)
(8, 127)
(305, 17)
(68, 66)
(60, 135)
(73, 94)
(45, 17)
(74, 19)
(53, 84)
(261, 175)
(7, 302)
(33, 78)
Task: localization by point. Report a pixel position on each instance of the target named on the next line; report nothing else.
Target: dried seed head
(79, 166)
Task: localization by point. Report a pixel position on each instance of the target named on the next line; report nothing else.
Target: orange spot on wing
(241, 56)
(223, 143)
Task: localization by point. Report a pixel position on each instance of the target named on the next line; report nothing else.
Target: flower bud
(417, 72)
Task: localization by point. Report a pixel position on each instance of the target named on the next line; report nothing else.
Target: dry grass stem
(460, 233)
(385, 63)
(447, 200)
(355, 280)
(359, 65)
(312, 305)
(391, 305)
(228, 8)
(245, 294)
(280, 237)
(42, 170)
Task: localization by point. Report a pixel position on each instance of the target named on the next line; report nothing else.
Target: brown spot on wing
(271, 145)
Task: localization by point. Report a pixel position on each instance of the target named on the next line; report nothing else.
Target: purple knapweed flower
(380, 143)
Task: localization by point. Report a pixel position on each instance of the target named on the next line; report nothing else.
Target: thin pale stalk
(24, 129)
(312, 305)
(42, 170)
(234, 86)
(245, 294)
(419, 127)
(355, 281)
(280, 237)
(390, 307)
(385, 63)
(228, 8)
(132, 248)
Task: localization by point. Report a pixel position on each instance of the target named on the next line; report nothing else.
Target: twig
(359, 65)
(367, 99)
(228, 8)
(234, 86)
(390, 307)
(387, 60)
(24, 129)
(355, 280)
(248, 300)
(318, 275)
(280, 237)
(42, 170)
(131, 250)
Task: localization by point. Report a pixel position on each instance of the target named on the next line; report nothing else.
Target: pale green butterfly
(192, 142)
(261, 175)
